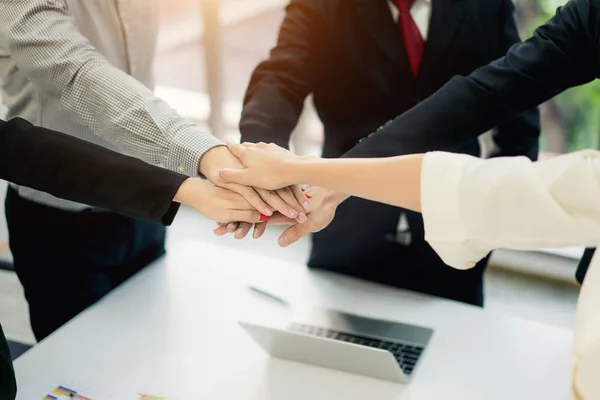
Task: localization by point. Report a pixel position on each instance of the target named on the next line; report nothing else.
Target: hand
(323, 201)
(241, 230)
(267, 165)
(216, 203)
(286, 200)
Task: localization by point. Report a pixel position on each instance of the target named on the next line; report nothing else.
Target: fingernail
(255, 234)
(268, 212)
(304, 190)
(292, 213)
(264, 217)
(302, 217)
(306, 206)
(283, 240)
(308, 196)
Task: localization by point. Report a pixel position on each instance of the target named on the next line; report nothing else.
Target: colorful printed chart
(64, 392)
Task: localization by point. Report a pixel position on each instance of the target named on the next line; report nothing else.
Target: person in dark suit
(366, 61)
(562, 53)
(76, 170)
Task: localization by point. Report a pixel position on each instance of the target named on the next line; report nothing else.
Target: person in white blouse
(470, 206)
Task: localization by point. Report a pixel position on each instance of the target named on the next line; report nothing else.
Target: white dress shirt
(472, 206)
(421, 13)
(84, 67)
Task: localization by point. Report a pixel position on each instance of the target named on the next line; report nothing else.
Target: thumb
(239, 176)
(235, 148)
(293, 234)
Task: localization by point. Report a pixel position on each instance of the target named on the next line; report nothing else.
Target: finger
(255, 200)
(221, 230)
(287, 195)
(280, 219)
(272, 199)
(242, 231)
(292, 234)
(301, 197)
(232, 227)
(259, 230)
(236, 149)
(244, 216)
(249, 144)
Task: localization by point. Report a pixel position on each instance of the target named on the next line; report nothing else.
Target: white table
(172, 331)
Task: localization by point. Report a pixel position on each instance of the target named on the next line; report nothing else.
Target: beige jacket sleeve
(472, 206)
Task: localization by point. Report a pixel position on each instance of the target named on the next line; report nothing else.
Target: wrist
(190, 191)
(210, 159)
(300, 170)
(333, 198)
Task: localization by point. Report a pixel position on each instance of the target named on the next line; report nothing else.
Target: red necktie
(411, 36)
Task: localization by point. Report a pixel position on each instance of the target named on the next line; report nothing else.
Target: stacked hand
(271, 167)
(232, 204)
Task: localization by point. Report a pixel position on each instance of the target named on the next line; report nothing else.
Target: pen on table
(268, 295)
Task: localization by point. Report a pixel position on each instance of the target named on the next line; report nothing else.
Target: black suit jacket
(76, 170)
(562, 53)
(350, 55)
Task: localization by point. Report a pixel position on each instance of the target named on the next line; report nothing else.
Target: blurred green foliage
(578, 108)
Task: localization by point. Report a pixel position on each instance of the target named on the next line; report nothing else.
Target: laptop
(371, 347)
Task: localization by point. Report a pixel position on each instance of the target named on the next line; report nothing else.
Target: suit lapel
(446, 19)
(378, 24)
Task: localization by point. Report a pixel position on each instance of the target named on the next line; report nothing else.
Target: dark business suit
(562, 53)
(77, 170)
(350, 55)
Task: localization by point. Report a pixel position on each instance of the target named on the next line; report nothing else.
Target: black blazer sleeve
(561, 54)
(278, 87)
(8, 385)
(520, 134)
(76, 170)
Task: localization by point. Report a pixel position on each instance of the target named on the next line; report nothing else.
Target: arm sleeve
(518, 135)
(472, 206)
(561, 54)
(278, 86)
(76, 170)
(42, 39)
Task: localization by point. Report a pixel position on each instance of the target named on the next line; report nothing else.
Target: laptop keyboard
(406, 355)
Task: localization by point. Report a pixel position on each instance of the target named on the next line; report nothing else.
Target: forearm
(394, 181)
(47, 47)
(80, 171)
(279, 85)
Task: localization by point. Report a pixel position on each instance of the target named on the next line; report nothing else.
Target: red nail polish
(308, 196)
(264, 217)
(304, 190)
